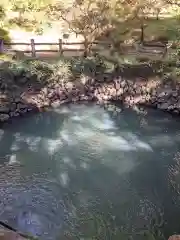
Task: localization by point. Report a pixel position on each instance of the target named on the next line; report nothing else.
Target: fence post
(1, 46)
(33, 50)
(60, 46)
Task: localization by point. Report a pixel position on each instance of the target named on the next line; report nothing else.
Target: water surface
(86, 172)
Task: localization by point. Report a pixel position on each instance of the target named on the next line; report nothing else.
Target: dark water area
(88, 172)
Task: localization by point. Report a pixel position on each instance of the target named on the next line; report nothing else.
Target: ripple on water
(29, 204)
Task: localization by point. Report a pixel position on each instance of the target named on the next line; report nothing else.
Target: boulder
(22, 80)
(178, 105)
(174, 237)
(15, 113)
(163, 106)
(69, 85)
(4, 117)
(56, 104)
(13, 106)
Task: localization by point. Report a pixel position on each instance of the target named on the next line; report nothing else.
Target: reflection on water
(82, 172)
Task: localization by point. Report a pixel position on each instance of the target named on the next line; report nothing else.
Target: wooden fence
(58, 47)
(61, 47)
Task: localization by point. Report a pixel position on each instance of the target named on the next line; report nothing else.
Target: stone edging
(151, 92)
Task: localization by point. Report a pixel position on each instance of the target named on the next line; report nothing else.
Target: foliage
(61, 71)
(28, 5)
(4, 35)
(2, 12)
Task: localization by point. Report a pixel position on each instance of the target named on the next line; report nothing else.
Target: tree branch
(173, 2)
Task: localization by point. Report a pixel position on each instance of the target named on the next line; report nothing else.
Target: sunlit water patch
(83, 172)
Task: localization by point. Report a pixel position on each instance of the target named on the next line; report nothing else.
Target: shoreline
(148, 93)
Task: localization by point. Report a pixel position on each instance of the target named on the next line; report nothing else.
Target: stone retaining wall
(151, 92)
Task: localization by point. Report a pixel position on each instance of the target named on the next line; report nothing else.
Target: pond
(89, 172)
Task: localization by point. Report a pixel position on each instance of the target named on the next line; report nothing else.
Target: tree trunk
(157, 15)
(164, 52)
(87, 47)
(142, 33)
(20, 15)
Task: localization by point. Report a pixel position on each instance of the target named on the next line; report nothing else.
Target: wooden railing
(58, 47)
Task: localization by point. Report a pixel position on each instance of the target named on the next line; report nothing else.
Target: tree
(88, 18)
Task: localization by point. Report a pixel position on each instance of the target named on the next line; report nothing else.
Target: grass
(158, 28)
(154, 29)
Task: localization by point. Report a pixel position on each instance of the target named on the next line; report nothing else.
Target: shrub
(61, 71)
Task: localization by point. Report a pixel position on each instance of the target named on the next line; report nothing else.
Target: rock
(117, 84)
(14, 114)
(4, 117)
(45, 103)
(163, 106)
(178, 105)
(56, 104)
(171, 107)
(123, 83)
(51, 94)
(166, 91)
(21, 106)
(111, 108)
(22, 111)
(29, 109)
(137, 91)
(69, 85)
(112, 92)
(118, 110)
(22, 80)
(176, 111)
(153, 92)
(3, 96)
(5, 107)
(105, 97)
(120, 92)
(13, 107)
(76, 99)
(17, 99)
(174, 237)
(86, 98)
(45, 90)
(175, 93)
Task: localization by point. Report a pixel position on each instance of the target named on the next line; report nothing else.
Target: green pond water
(86, 172)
